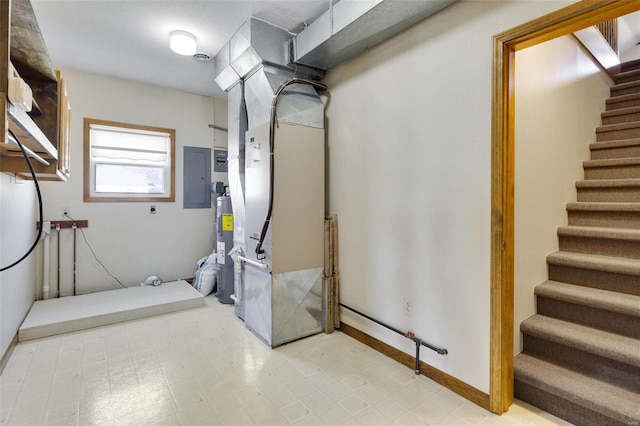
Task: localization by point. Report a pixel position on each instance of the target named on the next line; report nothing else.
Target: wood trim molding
(86, 192)
(7, 353)
(458, 386)
(562, 22)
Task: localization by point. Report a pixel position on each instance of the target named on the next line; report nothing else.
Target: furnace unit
(284, 287)
(276, 183)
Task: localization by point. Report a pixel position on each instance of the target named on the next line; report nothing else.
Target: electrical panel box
(220, 160)
(197, 178)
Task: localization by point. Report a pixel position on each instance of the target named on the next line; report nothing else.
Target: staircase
(581, 357)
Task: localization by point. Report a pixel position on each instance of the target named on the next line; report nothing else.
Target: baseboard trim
(8, 352)
(456, 385)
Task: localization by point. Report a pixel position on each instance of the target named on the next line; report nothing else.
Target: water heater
(224, 244)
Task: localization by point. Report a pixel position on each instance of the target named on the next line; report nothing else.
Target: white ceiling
(129, 39)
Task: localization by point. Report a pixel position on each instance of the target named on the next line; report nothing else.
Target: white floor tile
(295, 411)
(333, 414)
(353, 404)
(203, 367)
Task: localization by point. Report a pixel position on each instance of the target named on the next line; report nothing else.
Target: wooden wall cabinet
(44, 131)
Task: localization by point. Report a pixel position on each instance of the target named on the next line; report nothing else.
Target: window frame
(123, 197)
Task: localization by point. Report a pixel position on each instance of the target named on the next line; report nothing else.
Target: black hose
(272, 132)
(35, 182)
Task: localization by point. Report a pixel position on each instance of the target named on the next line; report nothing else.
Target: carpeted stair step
(625, 88)
(623, 101)
(589, 270)
(622, 115)
(609, 190)
(607, 356)
(581, 358)
(606, 310)
(616, 242)
(570, 395)
(615, 149)
(630, 66)
(604, 215)
(611, 132)
(612, 168)
(628, 71)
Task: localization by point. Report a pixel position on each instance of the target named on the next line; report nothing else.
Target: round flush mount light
(183, 43)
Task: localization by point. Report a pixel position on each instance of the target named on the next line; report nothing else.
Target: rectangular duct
(352, 26)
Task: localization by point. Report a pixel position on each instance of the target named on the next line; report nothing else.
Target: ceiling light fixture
(183, 43)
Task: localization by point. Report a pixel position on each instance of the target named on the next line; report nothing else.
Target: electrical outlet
(66, 211)
(406, 307)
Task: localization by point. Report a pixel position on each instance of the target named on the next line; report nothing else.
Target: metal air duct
(255, 44)
(351, 26)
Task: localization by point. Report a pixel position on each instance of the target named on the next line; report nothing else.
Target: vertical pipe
(58, 259)
(75, 227)
(45, 266)
(417, 369)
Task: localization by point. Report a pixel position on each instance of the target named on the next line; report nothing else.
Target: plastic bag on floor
(206, 274)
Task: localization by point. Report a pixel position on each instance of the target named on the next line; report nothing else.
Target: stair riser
(625, 325)
(600, 246)
(610, 106)
(613, 172)
(618, 152)
(628, 78)
(619, 91)
(630, 66)
(600, 367)
(621, 118)
(613, 194)
(604, 219)
(615, 135)
(561, 407)
(629, 284)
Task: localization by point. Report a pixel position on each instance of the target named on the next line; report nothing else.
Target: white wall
(409, 136)
(628, 45)
(560, 93)
(18, 217)
(631, 54)
(131, 242)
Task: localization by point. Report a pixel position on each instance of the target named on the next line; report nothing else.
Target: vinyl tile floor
(203, 367)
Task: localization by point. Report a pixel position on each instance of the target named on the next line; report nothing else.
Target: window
(127, 162)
